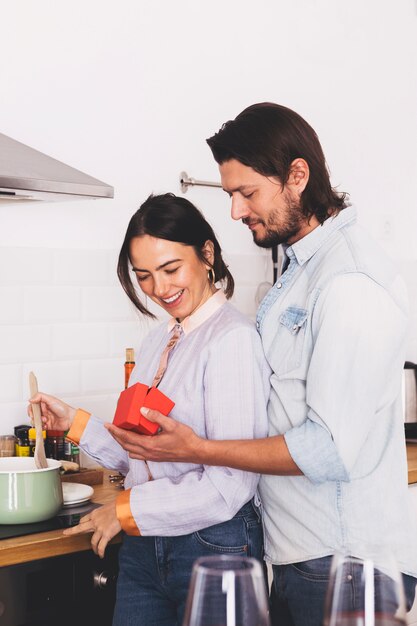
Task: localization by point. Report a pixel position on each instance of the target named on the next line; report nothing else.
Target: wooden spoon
(40, 458)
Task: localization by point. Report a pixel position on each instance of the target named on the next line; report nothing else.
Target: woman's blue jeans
(298, 592)
(155, 572)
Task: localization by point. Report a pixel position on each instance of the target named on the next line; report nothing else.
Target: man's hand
(104, 525)
(175, 441)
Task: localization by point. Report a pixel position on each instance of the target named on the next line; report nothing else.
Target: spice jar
(22, 440)
(72, 451)
(55, 444)
(32, 440)
(7, 445)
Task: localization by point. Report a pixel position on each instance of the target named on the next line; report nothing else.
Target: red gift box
(131, 400)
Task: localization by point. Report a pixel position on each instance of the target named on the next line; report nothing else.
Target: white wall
(127, 92)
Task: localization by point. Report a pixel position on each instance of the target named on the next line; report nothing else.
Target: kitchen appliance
(78, 588)
(27, 174)
(28, 494)
(410, 399)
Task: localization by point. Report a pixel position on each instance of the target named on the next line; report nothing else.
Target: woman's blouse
(218, 378)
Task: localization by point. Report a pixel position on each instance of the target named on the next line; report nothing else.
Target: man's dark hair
(171, 217)
(268, 137)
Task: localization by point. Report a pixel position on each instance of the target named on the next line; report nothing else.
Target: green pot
(28, 494)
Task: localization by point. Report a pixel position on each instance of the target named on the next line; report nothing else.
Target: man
(333, 328)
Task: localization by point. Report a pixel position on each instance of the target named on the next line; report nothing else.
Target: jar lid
(55, 433)
(21, 429)
(130, 355)
(32, 433)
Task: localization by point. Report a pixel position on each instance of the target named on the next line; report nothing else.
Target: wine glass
(227, 591)
(364, 592)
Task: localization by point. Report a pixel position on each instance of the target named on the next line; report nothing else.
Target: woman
(215, 372)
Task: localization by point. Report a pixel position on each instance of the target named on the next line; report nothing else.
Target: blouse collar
(202, 314)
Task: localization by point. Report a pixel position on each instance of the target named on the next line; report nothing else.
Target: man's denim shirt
(334, 329)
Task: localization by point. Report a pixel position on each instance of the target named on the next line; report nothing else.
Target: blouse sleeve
(97, 442)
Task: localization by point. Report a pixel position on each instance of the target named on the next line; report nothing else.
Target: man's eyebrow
(240, 188)
(160, 267)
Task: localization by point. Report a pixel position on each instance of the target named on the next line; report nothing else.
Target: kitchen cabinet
(48, 579)
(76, 589)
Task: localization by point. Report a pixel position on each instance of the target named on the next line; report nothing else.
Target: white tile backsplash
(248, 268)
(102, 375)
(80, 267)
(57, 378)
(25, 266)
(51, 304)
(12, 414)
(108, 303)
(244, 299)
(23, 342)
(80, 340)
(65, 317)
(127, 334)
(10, 377)
(11, 309)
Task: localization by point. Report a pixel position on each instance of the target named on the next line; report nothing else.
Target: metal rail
(186, 181)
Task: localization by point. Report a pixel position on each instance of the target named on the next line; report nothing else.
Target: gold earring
(210, 276)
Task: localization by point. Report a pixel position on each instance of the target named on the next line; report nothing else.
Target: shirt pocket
(286, 351)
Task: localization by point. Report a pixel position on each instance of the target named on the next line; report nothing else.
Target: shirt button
(295, 327)
(279, 285)
(349, 577)
(257, 325)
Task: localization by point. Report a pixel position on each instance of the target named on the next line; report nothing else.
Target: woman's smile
(173, 299)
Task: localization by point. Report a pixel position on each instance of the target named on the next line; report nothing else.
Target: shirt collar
(304, 249)
(202, 314)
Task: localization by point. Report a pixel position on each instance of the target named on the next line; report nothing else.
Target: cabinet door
(73, 589)
(94, 589)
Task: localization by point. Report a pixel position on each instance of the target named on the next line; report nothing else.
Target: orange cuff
(124, 514)
(78, 426)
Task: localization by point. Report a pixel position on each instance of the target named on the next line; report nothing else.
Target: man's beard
(276, 231)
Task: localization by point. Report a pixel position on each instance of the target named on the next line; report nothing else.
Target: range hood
(27, 174)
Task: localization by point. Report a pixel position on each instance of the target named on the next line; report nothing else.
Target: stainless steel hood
(27, 174)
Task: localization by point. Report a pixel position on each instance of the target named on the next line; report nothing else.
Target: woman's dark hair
(171, 217)
(268, 137)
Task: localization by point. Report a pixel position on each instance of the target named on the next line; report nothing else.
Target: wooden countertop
(412, 462)
(53, 542)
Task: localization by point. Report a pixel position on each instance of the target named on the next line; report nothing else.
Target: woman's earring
(210, 276)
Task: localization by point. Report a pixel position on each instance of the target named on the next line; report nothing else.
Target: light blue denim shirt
(334, 329)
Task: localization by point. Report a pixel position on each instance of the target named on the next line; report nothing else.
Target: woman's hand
(56, 415)
(104, 525)
(175, 441)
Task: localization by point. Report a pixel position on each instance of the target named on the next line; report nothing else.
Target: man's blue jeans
(154, 572)
(298, 592)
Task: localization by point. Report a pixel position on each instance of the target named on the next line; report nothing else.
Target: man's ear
(299, 175)
(208, 252)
